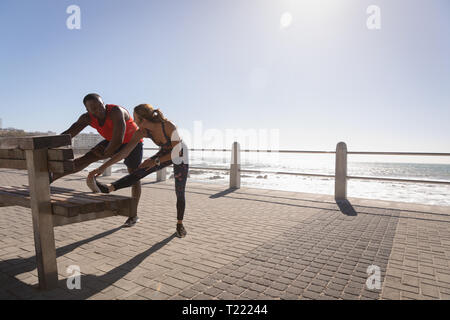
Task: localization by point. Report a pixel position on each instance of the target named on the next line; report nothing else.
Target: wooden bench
(51, 206)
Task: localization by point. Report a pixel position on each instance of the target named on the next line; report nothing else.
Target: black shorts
(134, 159)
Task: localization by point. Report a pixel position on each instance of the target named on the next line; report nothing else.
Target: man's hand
(147, 164)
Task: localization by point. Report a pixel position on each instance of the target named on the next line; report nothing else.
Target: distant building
(86, 140)
(13, 132)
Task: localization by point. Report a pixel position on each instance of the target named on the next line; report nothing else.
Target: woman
(152, 124)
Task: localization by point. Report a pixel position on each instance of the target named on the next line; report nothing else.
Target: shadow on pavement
(91, 284)
(222, 193)
(346, 207)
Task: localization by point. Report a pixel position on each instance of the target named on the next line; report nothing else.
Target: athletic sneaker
(96, 186)
(92, 184)
(131, 221)
(181, 232)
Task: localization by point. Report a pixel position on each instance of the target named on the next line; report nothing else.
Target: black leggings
(180, 175)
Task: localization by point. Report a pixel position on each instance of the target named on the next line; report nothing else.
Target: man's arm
(119, 127)
(83, 121)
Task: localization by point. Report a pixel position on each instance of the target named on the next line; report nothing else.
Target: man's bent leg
(79, 164)
(135, 193)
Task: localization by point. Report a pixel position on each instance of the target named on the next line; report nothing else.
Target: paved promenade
(241, 244)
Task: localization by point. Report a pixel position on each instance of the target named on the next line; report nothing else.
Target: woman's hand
(147, 164)
(96, 172)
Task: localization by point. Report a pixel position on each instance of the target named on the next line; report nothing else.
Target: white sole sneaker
(90, 181)
(130, 224)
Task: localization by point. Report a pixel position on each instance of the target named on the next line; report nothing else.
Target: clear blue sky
(325, 78)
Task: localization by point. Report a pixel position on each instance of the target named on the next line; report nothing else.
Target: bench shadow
(90, 284)
(150, 182)
(346, 207)
(75, 179)
(29, 264)
(96, 284)
(223, 193)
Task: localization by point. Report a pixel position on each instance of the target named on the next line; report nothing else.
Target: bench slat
(60, 154)
(60, 205)
(35, 142)
(15, 199)
(63, 208)
(83, 204)
(70, 203)
(61, 221)
(114, 202)
(54, 166)
(53, 154)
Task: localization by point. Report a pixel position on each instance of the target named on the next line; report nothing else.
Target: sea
(267, 164)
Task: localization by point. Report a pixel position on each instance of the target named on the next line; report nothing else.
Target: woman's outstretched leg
(130, 179)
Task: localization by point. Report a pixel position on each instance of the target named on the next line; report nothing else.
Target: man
(115, 124)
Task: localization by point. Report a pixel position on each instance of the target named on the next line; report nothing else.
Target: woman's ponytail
(146, 111)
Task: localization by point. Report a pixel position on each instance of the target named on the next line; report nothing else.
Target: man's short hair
(91, 96)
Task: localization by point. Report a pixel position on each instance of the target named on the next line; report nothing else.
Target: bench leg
(41, 209)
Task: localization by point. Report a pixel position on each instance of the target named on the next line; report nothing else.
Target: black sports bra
(168, 141)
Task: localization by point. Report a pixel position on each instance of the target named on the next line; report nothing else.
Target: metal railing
(340, 175)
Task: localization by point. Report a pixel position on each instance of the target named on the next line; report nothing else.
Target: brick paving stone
(349, 296)
(188, 293)
(208, 281)
(391, 293)
(258, 288)
(202, 296)
(289, 296)
(373, 295)
(236, 290)
(221, 285)
(249, 294)
(410, 280)
(180, 284)
(294, 290)
(230, 280)
(339, 281)
(213, 291)
(273, 292)
(200, 287)
(315, 288)
(263, 282)
(429, 290)
(352, 291)
(332, 293)
(227, 296)
(153, 294)
(309, 295)
(244, 284)
(278, 286)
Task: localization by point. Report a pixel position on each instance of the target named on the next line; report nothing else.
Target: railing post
(340, 183)
(235, 166)
(161, 175)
